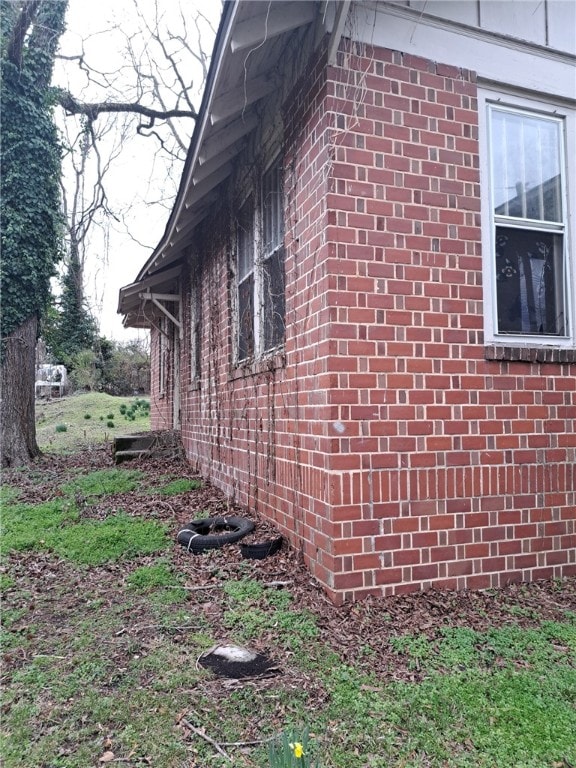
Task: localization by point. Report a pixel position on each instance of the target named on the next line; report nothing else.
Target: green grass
(31, 526)
(55, 526)
(152, 576)
(180, 485)
(117, 537)
(103, 482)
(70, 413)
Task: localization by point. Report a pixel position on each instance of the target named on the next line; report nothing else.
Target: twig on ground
(253, 743)
(170, 627)
(202, 735)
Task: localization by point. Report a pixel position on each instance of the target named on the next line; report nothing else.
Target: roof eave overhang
(226, 117)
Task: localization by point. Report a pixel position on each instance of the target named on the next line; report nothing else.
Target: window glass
(274, 302)
(526, 166)
(246, 280)
(260, 268)
(529, 282)
(272, 213)
(246, 239)
(528, 221)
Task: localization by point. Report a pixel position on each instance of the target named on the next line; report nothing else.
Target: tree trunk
(18, 444)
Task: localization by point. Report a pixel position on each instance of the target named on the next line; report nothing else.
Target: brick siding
(384, 441)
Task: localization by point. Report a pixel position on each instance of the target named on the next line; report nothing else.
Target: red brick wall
(383, 443)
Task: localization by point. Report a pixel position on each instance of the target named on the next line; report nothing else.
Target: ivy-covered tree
(31, 236)
(30, 203)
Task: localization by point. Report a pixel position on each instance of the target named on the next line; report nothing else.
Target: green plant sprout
(291, 750)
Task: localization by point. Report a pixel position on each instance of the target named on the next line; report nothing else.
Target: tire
(261, 550)
(202, 535)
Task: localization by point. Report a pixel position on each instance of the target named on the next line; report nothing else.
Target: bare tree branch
(73, 106)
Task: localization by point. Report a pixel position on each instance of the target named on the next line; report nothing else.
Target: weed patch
(29, 526)
(182, 485)
(159, 582)
(499, 719)
(254, 610)
(103, 482)
(118, 537)
(149, 577)
(459, 648)
(8, 495)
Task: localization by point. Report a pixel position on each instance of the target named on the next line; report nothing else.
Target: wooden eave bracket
(342, 9)
(157, 299)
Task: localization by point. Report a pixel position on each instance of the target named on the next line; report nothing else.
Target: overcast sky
(137, 177)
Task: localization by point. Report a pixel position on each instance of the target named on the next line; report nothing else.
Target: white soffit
(275, 19)
(210, 166)
(197, 191)
(234, 102)
(226, 137)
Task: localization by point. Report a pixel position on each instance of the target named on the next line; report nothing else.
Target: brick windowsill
(254, 367)
(530, 354)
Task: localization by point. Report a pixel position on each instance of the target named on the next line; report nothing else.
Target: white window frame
(488, 100)
(261, 256)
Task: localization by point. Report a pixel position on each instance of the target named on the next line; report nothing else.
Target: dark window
(273, 282)
(245, 271)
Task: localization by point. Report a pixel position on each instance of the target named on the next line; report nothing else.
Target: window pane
(246, 239)
(195, 324)
(246, 318)
(526, 166)
(272, 209)
(529, 282)
(274, 302)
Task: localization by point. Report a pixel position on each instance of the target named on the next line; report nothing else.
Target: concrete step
(120, 456)
(142, 444)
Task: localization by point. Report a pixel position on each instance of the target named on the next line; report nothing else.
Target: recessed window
(273, 301)
(195, 328)
(260, 268)
(246, 281)
(526, 253)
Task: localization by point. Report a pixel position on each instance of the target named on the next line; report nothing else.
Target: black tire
(213, 533)
(262, 549)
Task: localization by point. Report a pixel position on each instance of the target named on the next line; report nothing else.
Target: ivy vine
(30, 204)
